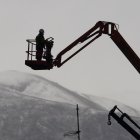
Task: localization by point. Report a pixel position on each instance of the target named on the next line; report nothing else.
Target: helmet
(41, 31)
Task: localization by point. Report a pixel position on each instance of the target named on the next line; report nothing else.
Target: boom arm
(123, 123)
(126, 49)
(95, 32)
(89, 34)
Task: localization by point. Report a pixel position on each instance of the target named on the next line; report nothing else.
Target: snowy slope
(28, 118)
(36, 86)
(34, 108)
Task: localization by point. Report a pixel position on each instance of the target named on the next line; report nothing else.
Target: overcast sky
(101, 69)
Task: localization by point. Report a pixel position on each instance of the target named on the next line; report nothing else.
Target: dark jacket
(40, 42)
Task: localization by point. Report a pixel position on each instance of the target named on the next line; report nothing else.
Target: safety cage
(31, 57)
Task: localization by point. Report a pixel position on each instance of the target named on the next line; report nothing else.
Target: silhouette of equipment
(36, 64)
(123, 119)
(101, 27)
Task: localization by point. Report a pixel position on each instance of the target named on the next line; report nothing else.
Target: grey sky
(100, 69)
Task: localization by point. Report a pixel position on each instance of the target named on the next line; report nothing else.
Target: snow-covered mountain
(34, 108)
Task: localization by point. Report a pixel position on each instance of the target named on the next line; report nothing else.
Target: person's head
(41, 31)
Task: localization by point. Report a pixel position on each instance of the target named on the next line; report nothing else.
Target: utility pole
(72, 133)
(78, 127)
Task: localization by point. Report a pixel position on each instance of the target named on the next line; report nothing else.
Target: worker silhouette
(40, 44)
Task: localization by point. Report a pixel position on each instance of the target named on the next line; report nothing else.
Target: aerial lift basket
(31, 58)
